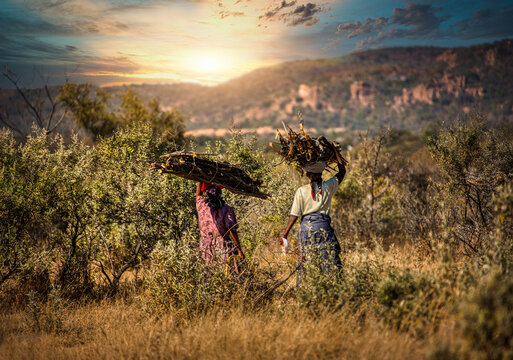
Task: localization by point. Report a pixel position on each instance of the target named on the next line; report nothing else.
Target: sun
(210, 62)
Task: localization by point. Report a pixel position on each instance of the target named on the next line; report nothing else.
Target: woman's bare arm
(292, 221)
(235, 238)
(198, 189)
(341, 165)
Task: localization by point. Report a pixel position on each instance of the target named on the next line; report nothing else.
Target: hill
(404, 87)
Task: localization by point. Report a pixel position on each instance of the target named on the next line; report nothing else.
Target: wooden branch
(20, 91)
(48, 131)
(128, 264)
(276, 285)
(192, 167)
(105, 274)
(301, 148)
(11, 126)
(54, 107)
(108, 253)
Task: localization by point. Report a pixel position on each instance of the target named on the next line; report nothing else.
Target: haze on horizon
(108, 42)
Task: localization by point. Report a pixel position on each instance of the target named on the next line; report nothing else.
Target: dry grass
(125, 329)
(122, 331)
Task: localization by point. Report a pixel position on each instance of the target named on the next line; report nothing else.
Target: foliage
(82, 220)
(177, 279)
(367, 203)
(488, 320)
(91, 109)
(45, 316)
(475, 161)
(168, 124)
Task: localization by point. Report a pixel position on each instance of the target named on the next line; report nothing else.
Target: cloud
(28, 48)
(303, 14)
(413, 22)
(81, 18)
(422, 21)
(30, 26)
(485, 23)
(269, 15)
(354, 29)
(224, 14)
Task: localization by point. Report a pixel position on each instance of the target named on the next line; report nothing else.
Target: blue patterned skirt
(317, 240)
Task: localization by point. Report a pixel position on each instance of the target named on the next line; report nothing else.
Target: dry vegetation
(99, 254)
(127, 328)
(116, 330)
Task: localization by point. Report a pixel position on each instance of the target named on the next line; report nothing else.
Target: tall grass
(99, 256)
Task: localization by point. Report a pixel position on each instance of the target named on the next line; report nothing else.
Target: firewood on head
(302, 149)
(192, 167)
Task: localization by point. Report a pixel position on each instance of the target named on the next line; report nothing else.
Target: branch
(108, 253)
(7, 123)
(48, 131)
(277, 285)
(20, 91)
(12, 270)
(54, 107)
(104, 273)
(129, 263)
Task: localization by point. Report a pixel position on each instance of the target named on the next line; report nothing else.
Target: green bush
(487, 322)
(475, 161)
(179, 279)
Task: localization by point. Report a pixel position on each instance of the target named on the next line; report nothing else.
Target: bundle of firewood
(300, 149)
(192, 167)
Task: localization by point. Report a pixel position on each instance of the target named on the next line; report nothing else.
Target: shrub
(475, 161)
(487, 322)
(405, 300)
(178, 279)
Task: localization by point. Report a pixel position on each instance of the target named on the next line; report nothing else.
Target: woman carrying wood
(312, 203)
(218, 226)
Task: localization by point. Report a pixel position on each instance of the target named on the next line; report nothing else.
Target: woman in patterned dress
(218, 226)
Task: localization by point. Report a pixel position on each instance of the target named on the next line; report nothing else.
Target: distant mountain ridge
(402, 87)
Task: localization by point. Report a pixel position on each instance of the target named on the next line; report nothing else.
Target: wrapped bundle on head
(316, 167)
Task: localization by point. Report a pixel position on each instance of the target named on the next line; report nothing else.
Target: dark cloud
(422, 18)
(485, 23)
(415, 21)
(422, 21)
(354, 29)
(304, 15)
(269, 15)
(301, 15)
(28, 48)
(30, 26)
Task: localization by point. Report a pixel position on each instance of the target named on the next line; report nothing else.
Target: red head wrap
(205, 186)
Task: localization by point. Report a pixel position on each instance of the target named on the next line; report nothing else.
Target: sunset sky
(165, 41)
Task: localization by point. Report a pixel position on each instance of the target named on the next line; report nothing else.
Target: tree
(169, 125)
(89, 107)
(41, 105)
(475, 161)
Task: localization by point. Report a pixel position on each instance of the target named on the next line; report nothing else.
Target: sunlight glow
(210, 62)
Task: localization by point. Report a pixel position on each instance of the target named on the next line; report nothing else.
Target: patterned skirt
(317, 242)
